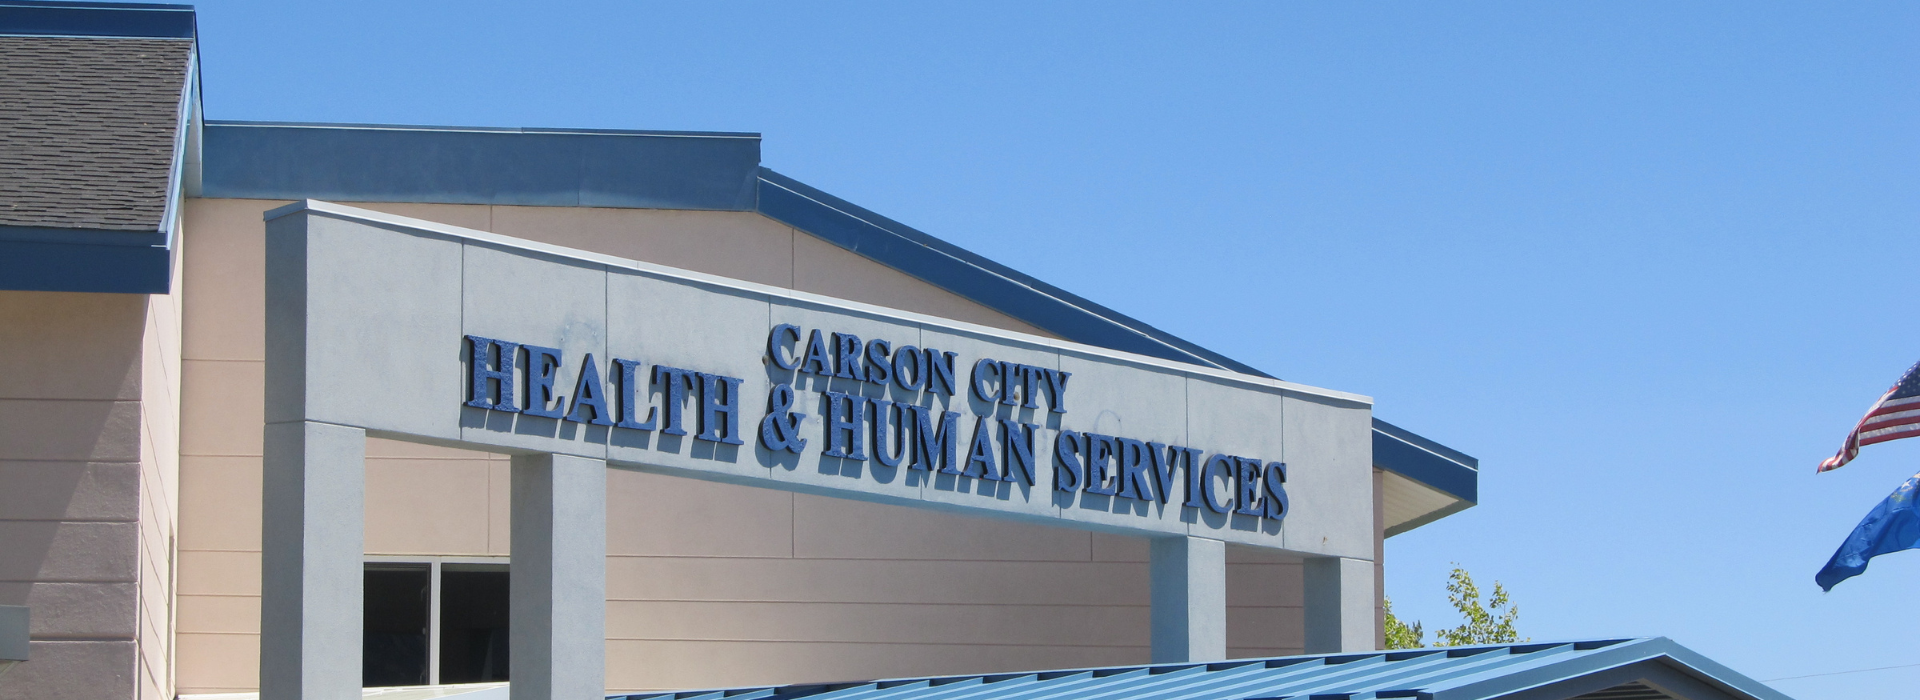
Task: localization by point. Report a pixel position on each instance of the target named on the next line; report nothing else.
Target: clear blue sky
(1644, 260)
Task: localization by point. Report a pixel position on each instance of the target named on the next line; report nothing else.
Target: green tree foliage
(1491, 623)
(1401, 635)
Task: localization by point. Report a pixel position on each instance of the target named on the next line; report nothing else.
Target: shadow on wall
(70, 449)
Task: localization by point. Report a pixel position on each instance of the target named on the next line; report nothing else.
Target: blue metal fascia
(528, 167)
(37, 265)
(96, 19)
(1430, 463)
(970, 275)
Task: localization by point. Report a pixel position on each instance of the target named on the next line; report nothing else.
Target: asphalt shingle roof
(87, 128)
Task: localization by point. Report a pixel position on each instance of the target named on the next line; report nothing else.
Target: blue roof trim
(31, 263)
(496, 129)
(1543, 671)
(96, 19)
(1011, 292)
(530, 167)
(967, 274)
(1428, 445)
(1426, 461)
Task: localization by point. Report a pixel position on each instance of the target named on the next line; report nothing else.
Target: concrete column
(1189, 589)
(313, 500)
(557, 644)
(1340, 605)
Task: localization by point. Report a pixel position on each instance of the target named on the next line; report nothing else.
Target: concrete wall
(787, 588)
(87, 445)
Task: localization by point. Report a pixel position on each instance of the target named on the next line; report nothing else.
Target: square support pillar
(311, 575)
(558, 601)
(1189, 592)
(1340, 605)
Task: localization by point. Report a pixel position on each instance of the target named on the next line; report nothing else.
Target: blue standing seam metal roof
(1652, 667)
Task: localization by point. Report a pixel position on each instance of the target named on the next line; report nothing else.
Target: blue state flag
(1893, 525)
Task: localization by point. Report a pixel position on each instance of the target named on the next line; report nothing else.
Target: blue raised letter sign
(543, 364)
(500, 355)
(589, 393)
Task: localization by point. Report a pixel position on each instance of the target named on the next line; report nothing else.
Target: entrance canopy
(573, 362)
(430, 333)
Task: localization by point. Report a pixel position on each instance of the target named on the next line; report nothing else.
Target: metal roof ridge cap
(1713, 671)
(173, 211)
(369, 216)
(1588, 661)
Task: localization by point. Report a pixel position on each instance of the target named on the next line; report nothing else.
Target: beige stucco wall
(159, 490)
(708, 584)
(87, 436)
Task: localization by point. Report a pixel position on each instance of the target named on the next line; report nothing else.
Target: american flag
(1896, 415)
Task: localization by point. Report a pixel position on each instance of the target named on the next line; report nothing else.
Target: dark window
(394, 650)
(473, 623)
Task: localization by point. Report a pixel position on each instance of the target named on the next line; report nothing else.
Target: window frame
(434, 564)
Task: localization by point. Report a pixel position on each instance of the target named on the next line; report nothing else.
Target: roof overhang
(1425, 480)
(96, 258)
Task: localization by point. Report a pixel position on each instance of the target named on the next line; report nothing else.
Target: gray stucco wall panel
(661, 322)
(397, 290)
(810, 467)
(582, 303)
(1329, 469)
(1135, 402)
(967, 491)
(1223, 418)
(540, 300)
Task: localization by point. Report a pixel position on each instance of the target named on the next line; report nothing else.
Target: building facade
(134, 258)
